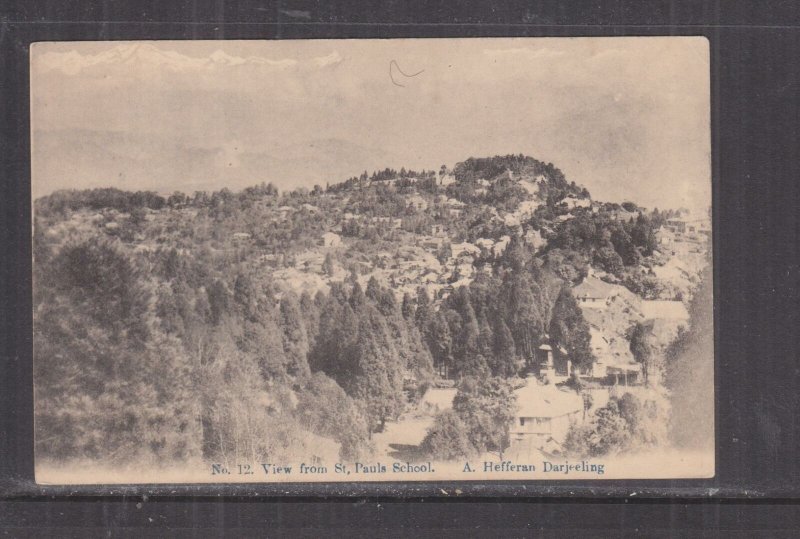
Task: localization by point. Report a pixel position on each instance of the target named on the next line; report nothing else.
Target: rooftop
(536, 400)
(592, 287)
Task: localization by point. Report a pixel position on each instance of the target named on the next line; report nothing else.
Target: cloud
(332, 58)
(615, 115)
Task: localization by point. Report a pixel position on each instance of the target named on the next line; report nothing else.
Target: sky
(628, 118)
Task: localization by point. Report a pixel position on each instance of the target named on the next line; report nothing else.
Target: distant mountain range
(85, 158)
(73, 62)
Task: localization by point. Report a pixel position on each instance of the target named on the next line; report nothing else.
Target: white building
(593, 293)
(417, 202)
(544, 415)
(608, 367)
(446, 180)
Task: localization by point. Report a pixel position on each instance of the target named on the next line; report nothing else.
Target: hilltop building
(572, 202)
(446, 179)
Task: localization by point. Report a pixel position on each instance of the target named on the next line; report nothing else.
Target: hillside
(338, 305)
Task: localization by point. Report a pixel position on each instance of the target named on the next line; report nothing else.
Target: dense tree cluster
(570, 332)
(492, 325)
(198, 364)
(425, 179)
(479, 421)
(689, 367)
(625, 424)
(187, 349)
(60, 202)
(639, 337)
(499, 170)
(611, 244)
(378, 201)
(367, 346)
(110, 383)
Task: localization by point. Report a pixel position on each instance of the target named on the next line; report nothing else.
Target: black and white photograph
(449, 259)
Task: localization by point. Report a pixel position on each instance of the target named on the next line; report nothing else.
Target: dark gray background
(754, 64)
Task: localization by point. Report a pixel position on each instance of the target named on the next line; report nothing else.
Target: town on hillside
(489, 308)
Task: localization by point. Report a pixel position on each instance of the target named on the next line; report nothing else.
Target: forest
(190, 350)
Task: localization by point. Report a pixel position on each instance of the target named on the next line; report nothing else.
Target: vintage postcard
(372, 260)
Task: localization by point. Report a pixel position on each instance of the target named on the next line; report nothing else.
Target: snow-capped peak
(148, 55)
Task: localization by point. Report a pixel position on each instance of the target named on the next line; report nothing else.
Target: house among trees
(688, 224)
(572, 202)
(626, 374)
(544, 415)
(417, 202)
(329, 239)
(593, 293)
(464, 250)
(455, 206)
(542, 361)
(608, 368)
(446, 179)
(676, 225)
(438, 230)
(697, 229)
(432, 244)
(550, 367)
